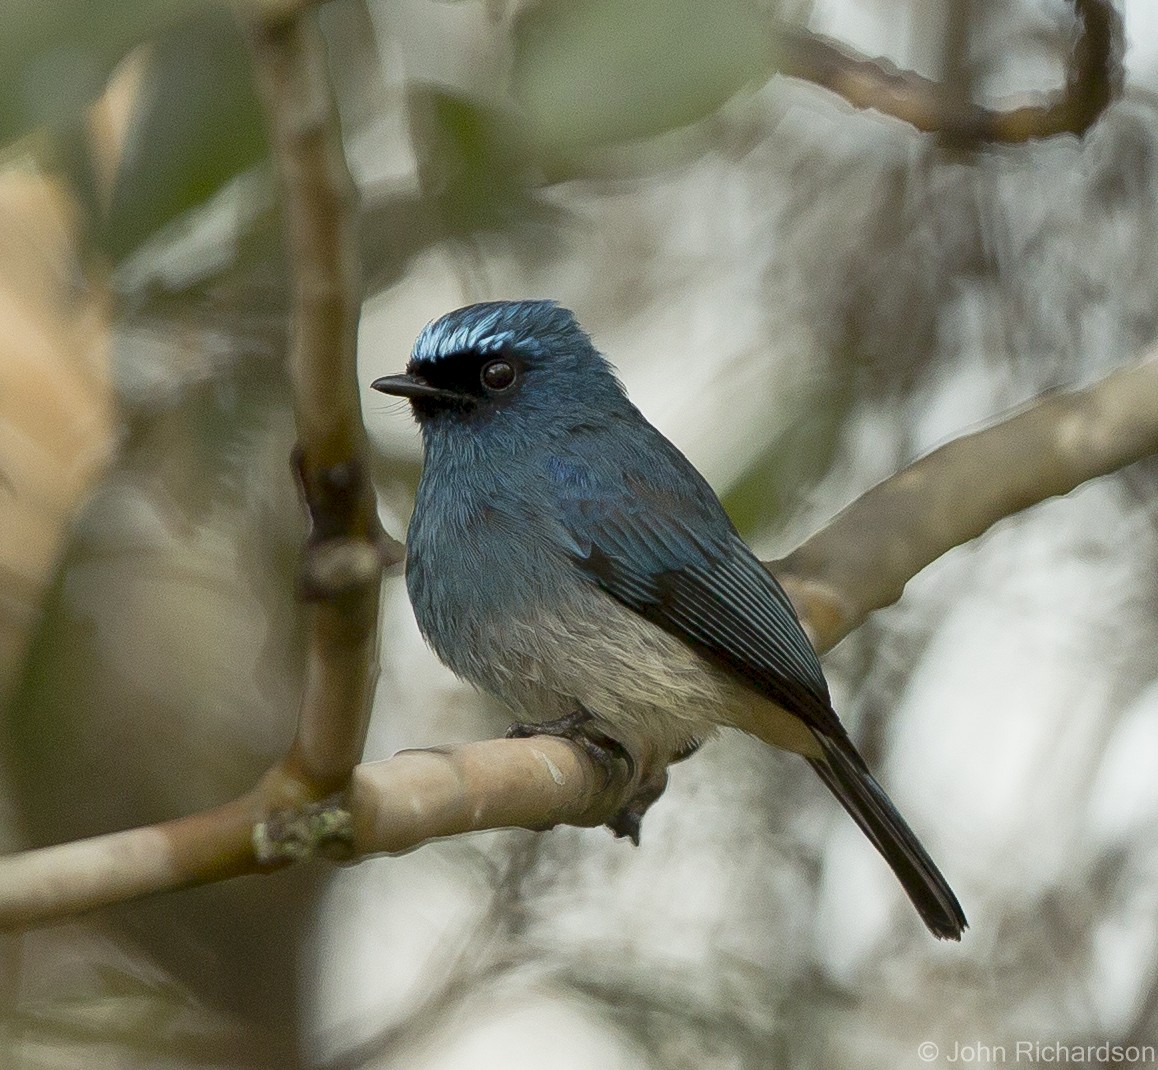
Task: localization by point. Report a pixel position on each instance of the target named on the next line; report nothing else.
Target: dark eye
(498, 374)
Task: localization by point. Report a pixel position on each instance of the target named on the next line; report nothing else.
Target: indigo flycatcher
(566, 557)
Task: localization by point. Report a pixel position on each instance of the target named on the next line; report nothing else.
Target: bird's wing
(677, 561)
(687, 571)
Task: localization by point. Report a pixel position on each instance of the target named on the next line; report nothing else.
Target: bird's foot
(626, 822)
(566, 726)
(608, 755)
(605, 752)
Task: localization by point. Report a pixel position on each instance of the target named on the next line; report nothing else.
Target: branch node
(317, 830)
(339, 566)
(332, 494)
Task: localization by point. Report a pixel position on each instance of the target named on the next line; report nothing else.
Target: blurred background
(804, 297)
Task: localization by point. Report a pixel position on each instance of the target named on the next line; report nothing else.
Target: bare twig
(1094, 79)
(71, 878)
(857, 563)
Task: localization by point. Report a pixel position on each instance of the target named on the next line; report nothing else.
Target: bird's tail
(848, 778)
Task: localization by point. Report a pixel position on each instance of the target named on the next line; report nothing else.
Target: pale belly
(646, 688)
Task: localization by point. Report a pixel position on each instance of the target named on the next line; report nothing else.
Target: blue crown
(529, 326)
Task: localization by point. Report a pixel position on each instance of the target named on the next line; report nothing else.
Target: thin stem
(1094, 79)
(342, 569)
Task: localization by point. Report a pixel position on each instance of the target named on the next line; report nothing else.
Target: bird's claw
(626, 822)
(566, 727)
(606, 754)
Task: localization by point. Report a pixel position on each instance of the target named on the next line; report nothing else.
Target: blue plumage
(532, 326)
(565, 556)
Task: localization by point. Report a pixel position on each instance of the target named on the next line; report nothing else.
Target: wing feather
(707, 589)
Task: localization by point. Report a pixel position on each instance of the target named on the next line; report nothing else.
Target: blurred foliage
(164, 679)
(189, 114)
(58, 424)
(596, 71)
(473, 163)
(583, 76)
(124, 1003)
(796, 461)
(174, 621)
(56, 55)
(197, 124)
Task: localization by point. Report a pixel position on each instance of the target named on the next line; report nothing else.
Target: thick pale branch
(1094, 79)
(863, 558)
(420, 795)
(390, 807)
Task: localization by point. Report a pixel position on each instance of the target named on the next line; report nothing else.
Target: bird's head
(524, 365)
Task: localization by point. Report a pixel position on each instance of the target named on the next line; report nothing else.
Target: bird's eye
(498, 374)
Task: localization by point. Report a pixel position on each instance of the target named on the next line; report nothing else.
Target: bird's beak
(410, 386)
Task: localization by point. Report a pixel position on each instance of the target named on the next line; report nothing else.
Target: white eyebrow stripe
(432, 347)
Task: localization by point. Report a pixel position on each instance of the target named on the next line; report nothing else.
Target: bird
(566, 558)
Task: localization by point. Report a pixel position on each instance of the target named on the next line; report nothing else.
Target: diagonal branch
(862, 559)
(1094, 79)
(859, 562)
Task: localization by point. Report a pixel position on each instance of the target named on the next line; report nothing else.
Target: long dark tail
(848, 778)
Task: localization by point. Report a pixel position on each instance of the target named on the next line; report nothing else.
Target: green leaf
(592, 72)
(472, 162)
(55, 55)
(197, 124)
(795, 461)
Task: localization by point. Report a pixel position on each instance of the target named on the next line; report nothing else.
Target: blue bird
(567, 558)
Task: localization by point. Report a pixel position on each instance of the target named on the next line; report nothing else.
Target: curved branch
(1095, 77)
(859, 562)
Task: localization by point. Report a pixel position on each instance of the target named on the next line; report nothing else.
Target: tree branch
(1095, 77)
(420, 795)
(343, 564)
(391, 806)
(859, 562)
(46, 885)
(863, 558)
